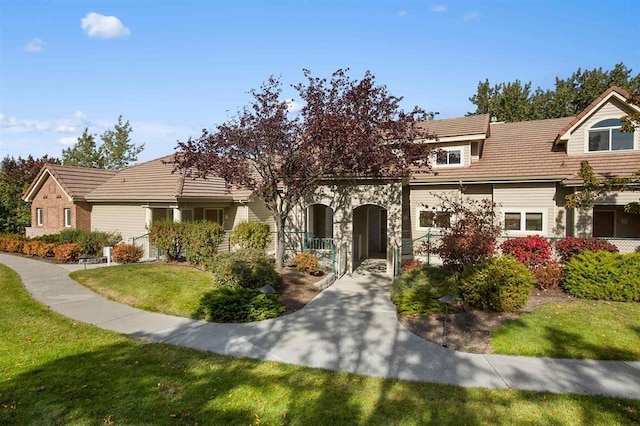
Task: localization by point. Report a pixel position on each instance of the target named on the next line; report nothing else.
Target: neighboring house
(526, 168)
(58, 198)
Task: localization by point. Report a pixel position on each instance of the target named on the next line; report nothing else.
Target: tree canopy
(115, 152)
(16, 174)
(517, 101)
(346, 128)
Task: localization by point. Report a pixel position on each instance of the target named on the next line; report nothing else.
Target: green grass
(167, 289)
(581, 329)
(57, 371)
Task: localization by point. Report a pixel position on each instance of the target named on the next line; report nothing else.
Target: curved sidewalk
(350, 327)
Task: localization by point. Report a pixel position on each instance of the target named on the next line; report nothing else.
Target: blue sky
(173, 68)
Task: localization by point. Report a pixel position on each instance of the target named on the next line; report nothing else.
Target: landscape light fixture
(447, 300)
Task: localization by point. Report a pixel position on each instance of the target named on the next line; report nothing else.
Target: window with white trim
(39, 218)
(67, 218)
(606, 135)
(523, 221)
(448, 157)
(433, 219)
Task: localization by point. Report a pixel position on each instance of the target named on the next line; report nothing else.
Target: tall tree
(115, 152)
(346, 128)
(517, 102)
(16, 174)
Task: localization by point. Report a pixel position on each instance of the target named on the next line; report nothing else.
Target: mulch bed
(296, 289)
(470, 330)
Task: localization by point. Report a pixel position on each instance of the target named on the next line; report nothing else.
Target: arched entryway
(369, 233)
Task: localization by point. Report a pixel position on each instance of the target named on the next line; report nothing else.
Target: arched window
(605, 135)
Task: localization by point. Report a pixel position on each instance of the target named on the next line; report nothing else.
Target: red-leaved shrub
(548, 275)
(571, 246)
(533, 250)
(411, 264)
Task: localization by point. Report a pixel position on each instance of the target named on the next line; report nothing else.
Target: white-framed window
(450, 156)
(524, 221)
(605, 135)
(214, 215)
(39, 217)
(431, 218)
(67, 218)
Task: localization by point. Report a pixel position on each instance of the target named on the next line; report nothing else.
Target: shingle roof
(526, 151)
(77, 182)
(156, 180)
(460, 126)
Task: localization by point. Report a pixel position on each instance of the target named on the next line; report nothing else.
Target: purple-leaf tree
(346, 128)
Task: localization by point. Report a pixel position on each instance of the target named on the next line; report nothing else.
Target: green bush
(201, 240)
(417, 291)
(235, 304)
(91, 242)
(169, 237)
(603, 276)
(251, 235)
(243, 268)
(499, 284)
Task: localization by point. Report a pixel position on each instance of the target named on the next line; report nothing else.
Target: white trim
(523, 211)
(39, 184)
(39, 216)
(434, 159)
(462, 138)
(67, 223)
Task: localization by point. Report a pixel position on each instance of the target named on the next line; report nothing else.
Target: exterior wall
(52, 199)
(528, 197)
(577, 144)
(127, 219)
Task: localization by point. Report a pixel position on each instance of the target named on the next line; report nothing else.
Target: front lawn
(167, 289)
(581, 329)
(57, 371)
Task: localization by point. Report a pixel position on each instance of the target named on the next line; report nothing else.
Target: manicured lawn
(167, 289)
(581, 329)
(57, 371)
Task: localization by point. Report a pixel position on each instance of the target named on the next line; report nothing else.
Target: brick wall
(52, 200)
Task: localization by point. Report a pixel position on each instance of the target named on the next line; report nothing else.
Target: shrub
(13, 245)
(533, 250)
(244, 268)
(471, 238)
(201, 240)
(417, 292)
(91, 242)
(30, 248)
(46, 250)
(569, 247)
(306, 262)
(548, 275)
(126, 253)
(500, 284)
(168, 236)
(67, 252)
(411, 264)
(234, 304)
(603, 276)
(251, 235)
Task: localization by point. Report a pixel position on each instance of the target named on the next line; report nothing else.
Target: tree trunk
(280, 242)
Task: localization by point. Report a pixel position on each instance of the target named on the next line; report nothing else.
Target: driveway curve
(351, 327)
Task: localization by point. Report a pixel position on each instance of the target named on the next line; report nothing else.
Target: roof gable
(76, 182)
(459, 128)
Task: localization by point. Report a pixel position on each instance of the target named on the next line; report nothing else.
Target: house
(526, 168)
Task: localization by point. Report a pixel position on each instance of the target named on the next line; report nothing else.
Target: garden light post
(447, 300)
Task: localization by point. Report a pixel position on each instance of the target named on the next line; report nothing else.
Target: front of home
(526, 168)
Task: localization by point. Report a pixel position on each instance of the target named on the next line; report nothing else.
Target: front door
(604, 223)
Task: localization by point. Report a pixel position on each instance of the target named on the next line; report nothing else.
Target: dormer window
(448, 157)
(605, 135)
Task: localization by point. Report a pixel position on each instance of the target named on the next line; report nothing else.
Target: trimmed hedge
(499, 284)
(91, 242)
(417, 291)
(603, 276)
(169, 237)
(243, 268)
(126, 253)
(201, 240)
(235, 304)
(251, 235)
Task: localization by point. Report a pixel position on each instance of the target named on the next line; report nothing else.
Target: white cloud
(34, 46)
(439, 8)
(470, 16)
(293, 106)
(69, 140)
(402, 13)
(65, 128)
(101, 26)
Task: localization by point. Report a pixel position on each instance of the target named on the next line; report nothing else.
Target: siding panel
(128, 220)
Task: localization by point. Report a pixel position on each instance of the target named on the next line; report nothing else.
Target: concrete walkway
(349, 327)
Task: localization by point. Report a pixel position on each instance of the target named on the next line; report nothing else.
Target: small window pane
(611, 122)
(441, 157)
(533, 222)
(426, 218)
(443, 220)
(621, 140)
(39, 217)
(67, 218)
(599, 140)
(512, 221)
(454, 157)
